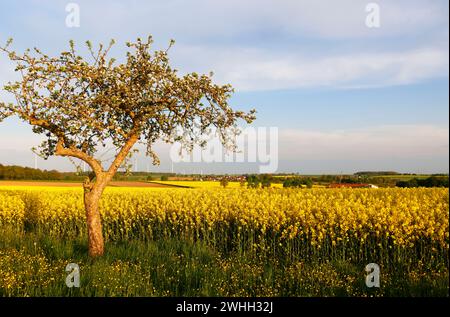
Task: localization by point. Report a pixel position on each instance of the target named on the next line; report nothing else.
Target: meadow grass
(33, 264)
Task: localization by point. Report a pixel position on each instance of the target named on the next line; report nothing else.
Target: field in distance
(78, 184)
(203, 184)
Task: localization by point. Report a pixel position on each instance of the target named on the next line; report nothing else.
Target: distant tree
(349, 180)
(413, 183)
(81, 105)
(308, 183)
(224, 182)
(298, 182)
(252, 181)
(402, 184)
(265, 181)
(427, 182)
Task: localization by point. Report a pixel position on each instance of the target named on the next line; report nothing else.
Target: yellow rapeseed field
(315, 238)
(404, 216)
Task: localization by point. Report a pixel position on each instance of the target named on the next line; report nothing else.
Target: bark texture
(93, 191)
(94, 222)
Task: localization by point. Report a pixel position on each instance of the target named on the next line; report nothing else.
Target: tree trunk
(94, 222)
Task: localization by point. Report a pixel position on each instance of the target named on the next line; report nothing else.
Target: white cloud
(321, 43)
(256, 69)
(346, 18)
(410, 142)
(324, 18)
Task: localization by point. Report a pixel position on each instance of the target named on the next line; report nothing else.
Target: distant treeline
(376, 178)
(27, 173)
(425, 182)
(389, 173)
(263, 180)
(375, 173)
(298, 182)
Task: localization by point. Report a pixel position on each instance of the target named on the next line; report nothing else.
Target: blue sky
(345, 97)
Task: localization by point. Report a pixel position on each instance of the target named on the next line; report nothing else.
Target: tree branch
(73, 152)
(134, 137)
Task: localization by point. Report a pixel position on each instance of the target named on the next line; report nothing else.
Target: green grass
(33, 264)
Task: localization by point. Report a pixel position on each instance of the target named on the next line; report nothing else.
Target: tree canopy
(80, 103)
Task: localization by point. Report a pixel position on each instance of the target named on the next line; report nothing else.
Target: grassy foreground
(34, 265)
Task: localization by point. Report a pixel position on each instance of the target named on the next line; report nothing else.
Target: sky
(345, 97)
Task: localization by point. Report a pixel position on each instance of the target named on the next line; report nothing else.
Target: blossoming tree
(82, 104)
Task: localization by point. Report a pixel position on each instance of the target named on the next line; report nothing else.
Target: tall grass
(178, 267)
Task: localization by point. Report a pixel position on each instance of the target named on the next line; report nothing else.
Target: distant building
(351, 185)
